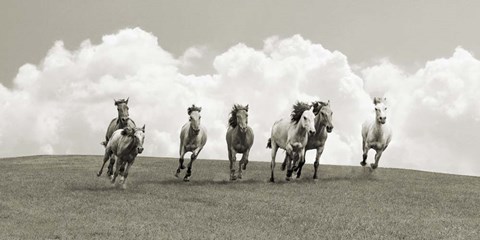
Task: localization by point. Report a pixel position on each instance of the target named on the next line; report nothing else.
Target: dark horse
(323, 125)
(239, 139)
(123, 120)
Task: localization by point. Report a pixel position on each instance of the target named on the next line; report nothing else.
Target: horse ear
(127, 100)
(143, 128)
(199, 109)
(384, 99)
(328, 102)
(376, 100)
(114, 102)
(246, 107)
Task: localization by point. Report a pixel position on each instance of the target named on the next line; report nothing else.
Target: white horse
(376, 133)
(192, 139)
(125, 144)
(292, 135)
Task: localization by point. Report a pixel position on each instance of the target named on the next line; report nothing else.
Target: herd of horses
(306, 129)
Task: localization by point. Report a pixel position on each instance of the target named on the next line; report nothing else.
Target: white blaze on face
(381, 112)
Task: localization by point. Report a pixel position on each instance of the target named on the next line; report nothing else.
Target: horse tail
(269, 143)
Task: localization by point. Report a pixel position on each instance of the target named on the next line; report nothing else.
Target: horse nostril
(312, 132)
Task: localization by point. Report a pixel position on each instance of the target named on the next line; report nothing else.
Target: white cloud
(64, 104)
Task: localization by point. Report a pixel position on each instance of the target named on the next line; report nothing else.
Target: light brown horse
(125, 144)
(239, 139)
(376, 134)
(123, 120)
(292, 135)
(193, 137)
(323, 125)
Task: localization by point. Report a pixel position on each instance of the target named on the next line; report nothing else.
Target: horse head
(138, 135)
(322, 109)
(380, 109)
(195, 117)
(308, 120)
(239, 117)
(122, 108)
(139, 138)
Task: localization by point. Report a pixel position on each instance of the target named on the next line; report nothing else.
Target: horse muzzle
(311, 132)
(140, 150)
(329, 129)
(382, 120)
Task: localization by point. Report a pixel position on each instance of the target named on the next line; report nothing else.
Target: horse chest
(192, 144)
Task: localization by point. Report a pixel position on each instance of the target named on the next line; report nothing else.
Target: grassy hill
(60, 197)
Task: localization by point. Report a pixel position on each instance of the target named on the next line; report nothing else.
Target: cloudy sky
(63, 63)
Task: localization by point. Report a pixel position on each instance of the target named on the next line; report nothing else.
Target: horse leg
(365, 151)
(117, 170)
(243, 162)
(125, 175)
(245, 158)
(189, 167)
(301, 163)
(105, 159)
(284, 164)
(272, 164)
(377, 158)
(110, 166)
(317, 161)
(233, 159)
(180, 162)
(289, 167)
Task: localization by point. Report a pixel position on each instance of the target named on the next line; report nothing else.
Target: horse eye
(304, 117)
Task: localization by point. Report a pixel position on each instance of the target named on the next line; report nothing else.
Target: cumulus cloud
(64, 104)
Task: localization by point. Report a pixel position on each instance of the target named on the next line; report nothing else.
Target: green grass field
(60, 197)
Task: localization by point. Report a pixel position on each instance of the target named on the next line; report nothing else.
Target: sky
(63, 63)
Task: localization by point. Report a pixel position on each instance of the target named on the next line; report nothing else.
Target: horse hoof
(239, 176)
(186, 179)
(298, 175)
(373, 166)
(315, 177)
(288, 179)
(182, 167)
(233, 178)
(99, 174)
(363, 164)
(272, 180)
(244, 167)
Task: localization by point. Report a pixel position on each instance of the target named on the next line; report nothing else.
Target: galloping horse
(323, 125)
(376, 133)
(239, 139)
(192, 139)
(123, 120)
(125, 144)
(292, 135)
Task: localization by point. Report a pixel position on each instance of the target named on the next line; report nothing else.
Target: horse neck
(191, 132)
(300, 130)
(319, 126)
(131, 147)
(239, 133)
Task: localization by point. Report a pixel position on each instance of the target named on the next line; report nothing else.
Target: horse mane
(232, 121)
(377, 100)
(298, 109)
(121, 101)
(318, 105)
(194, 108)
